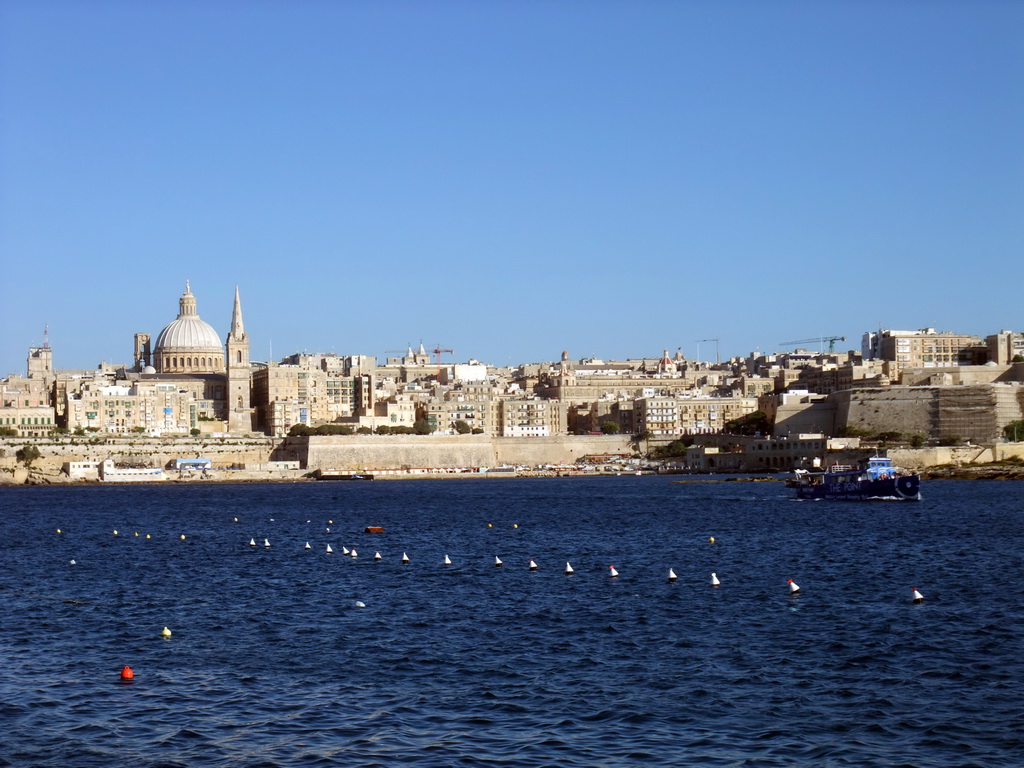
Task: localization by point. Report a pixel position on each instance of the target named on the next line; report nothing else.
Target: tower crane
(438, 351)
(831, 340)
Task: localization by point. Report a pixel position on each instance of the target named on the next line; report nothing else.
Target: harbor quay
(135, 459)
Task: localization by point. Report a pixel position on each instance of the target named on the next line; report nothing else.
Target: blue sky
(508, 179)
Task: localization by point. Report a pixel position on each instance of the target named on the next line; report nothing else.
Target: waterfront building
(533, 418)
(662, 416)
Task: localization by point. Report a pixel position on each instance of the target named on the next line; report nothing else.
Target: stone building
(187, 344)
(926, 348)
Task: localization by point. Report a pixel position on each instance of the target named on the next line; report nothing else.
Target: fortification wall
(359, 452)
(977, 413)
(145, 451)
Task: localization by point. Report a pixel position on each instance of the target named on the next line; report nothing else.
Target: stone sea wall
(355, 452)
(361, 452)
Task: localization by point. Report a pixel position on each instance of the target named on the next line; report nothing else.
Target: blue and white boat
(875, 478)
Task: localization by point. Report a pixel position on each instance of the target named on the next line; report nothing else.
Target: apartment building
(533, 418)
(925, 348)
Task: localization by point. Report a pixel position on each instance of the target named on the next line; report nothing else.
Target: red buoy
(127, 674)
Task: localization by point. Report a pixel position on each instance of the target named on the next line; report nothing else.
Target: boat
(875, 478)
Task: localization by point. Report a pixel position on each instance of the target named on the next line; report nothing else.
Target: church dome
(188, 344)
(188, 333)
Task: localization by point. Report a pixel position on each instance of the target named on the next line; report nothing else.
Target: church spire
(237, 329)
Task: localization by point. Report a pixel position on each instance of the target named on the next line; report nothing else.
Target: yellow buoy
(712, 540)
(236, 519)
(115, 531)
(488, 525)
(136, 533)
(166, 632)
(183, 537)
(147, 535)
(515, 525)
(58, 530)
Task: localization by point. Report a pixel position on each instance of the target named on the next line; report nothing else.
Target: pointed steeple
(237, 329)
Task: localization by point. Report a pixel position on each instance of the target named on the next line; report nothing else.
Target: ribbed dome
(191, 333)
(188, 344)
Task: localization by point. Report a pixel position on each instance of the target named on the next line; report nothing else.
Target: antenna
(46, 336)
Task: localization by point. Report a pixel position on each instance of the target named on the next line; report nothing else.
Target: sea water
(272, 663)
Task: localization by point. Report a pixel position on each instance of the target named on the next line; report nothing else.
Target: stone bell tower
(239, 379)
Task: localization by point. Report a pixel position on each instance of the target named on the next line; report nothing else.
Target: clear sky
(508, 179)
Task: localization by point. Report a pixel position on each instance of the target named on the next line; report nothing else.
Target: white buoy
(360, 604)
(533, 565)
(376, 556)
(568, 570)
(344, 550)
(252, 542)
(447, 560)
(497, 560)
(166, 632)
(918, 597)
(405, 559)
(612, 572)
(72, 563)
(714, 580)
(309, 547)
(266, 542)
(671, 575)
(354, 553)
(329, 550)
(793, 588)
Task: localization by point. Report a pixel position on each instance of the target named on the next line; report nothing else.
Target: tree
(756, 423)
(333, 429)
(8, 432)
(462, 427)
(364, 431)
(422, 427)
(610, 428)
(477, 431)
(299, 430)
(27, 455)
(195, 432)
(916, 441)
(1018, 359)
(676, 448)
(1014, 430)
(383, 429)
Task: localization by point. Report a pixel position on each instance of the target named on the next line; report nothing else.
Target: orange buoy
(374, 529)
(127, 674)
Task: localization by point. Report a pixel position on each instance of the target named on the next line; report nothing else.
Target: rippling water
(272, 664)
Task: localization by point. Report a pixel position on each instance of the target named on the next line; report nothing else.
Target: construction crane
(438, 351)
(717, 358)
(816, 340)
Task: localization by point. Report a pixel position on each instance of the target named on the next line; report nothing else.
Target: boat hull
(901, 488)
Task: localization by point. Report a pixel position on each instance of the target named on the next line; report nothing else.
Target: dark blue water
(272, 664)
